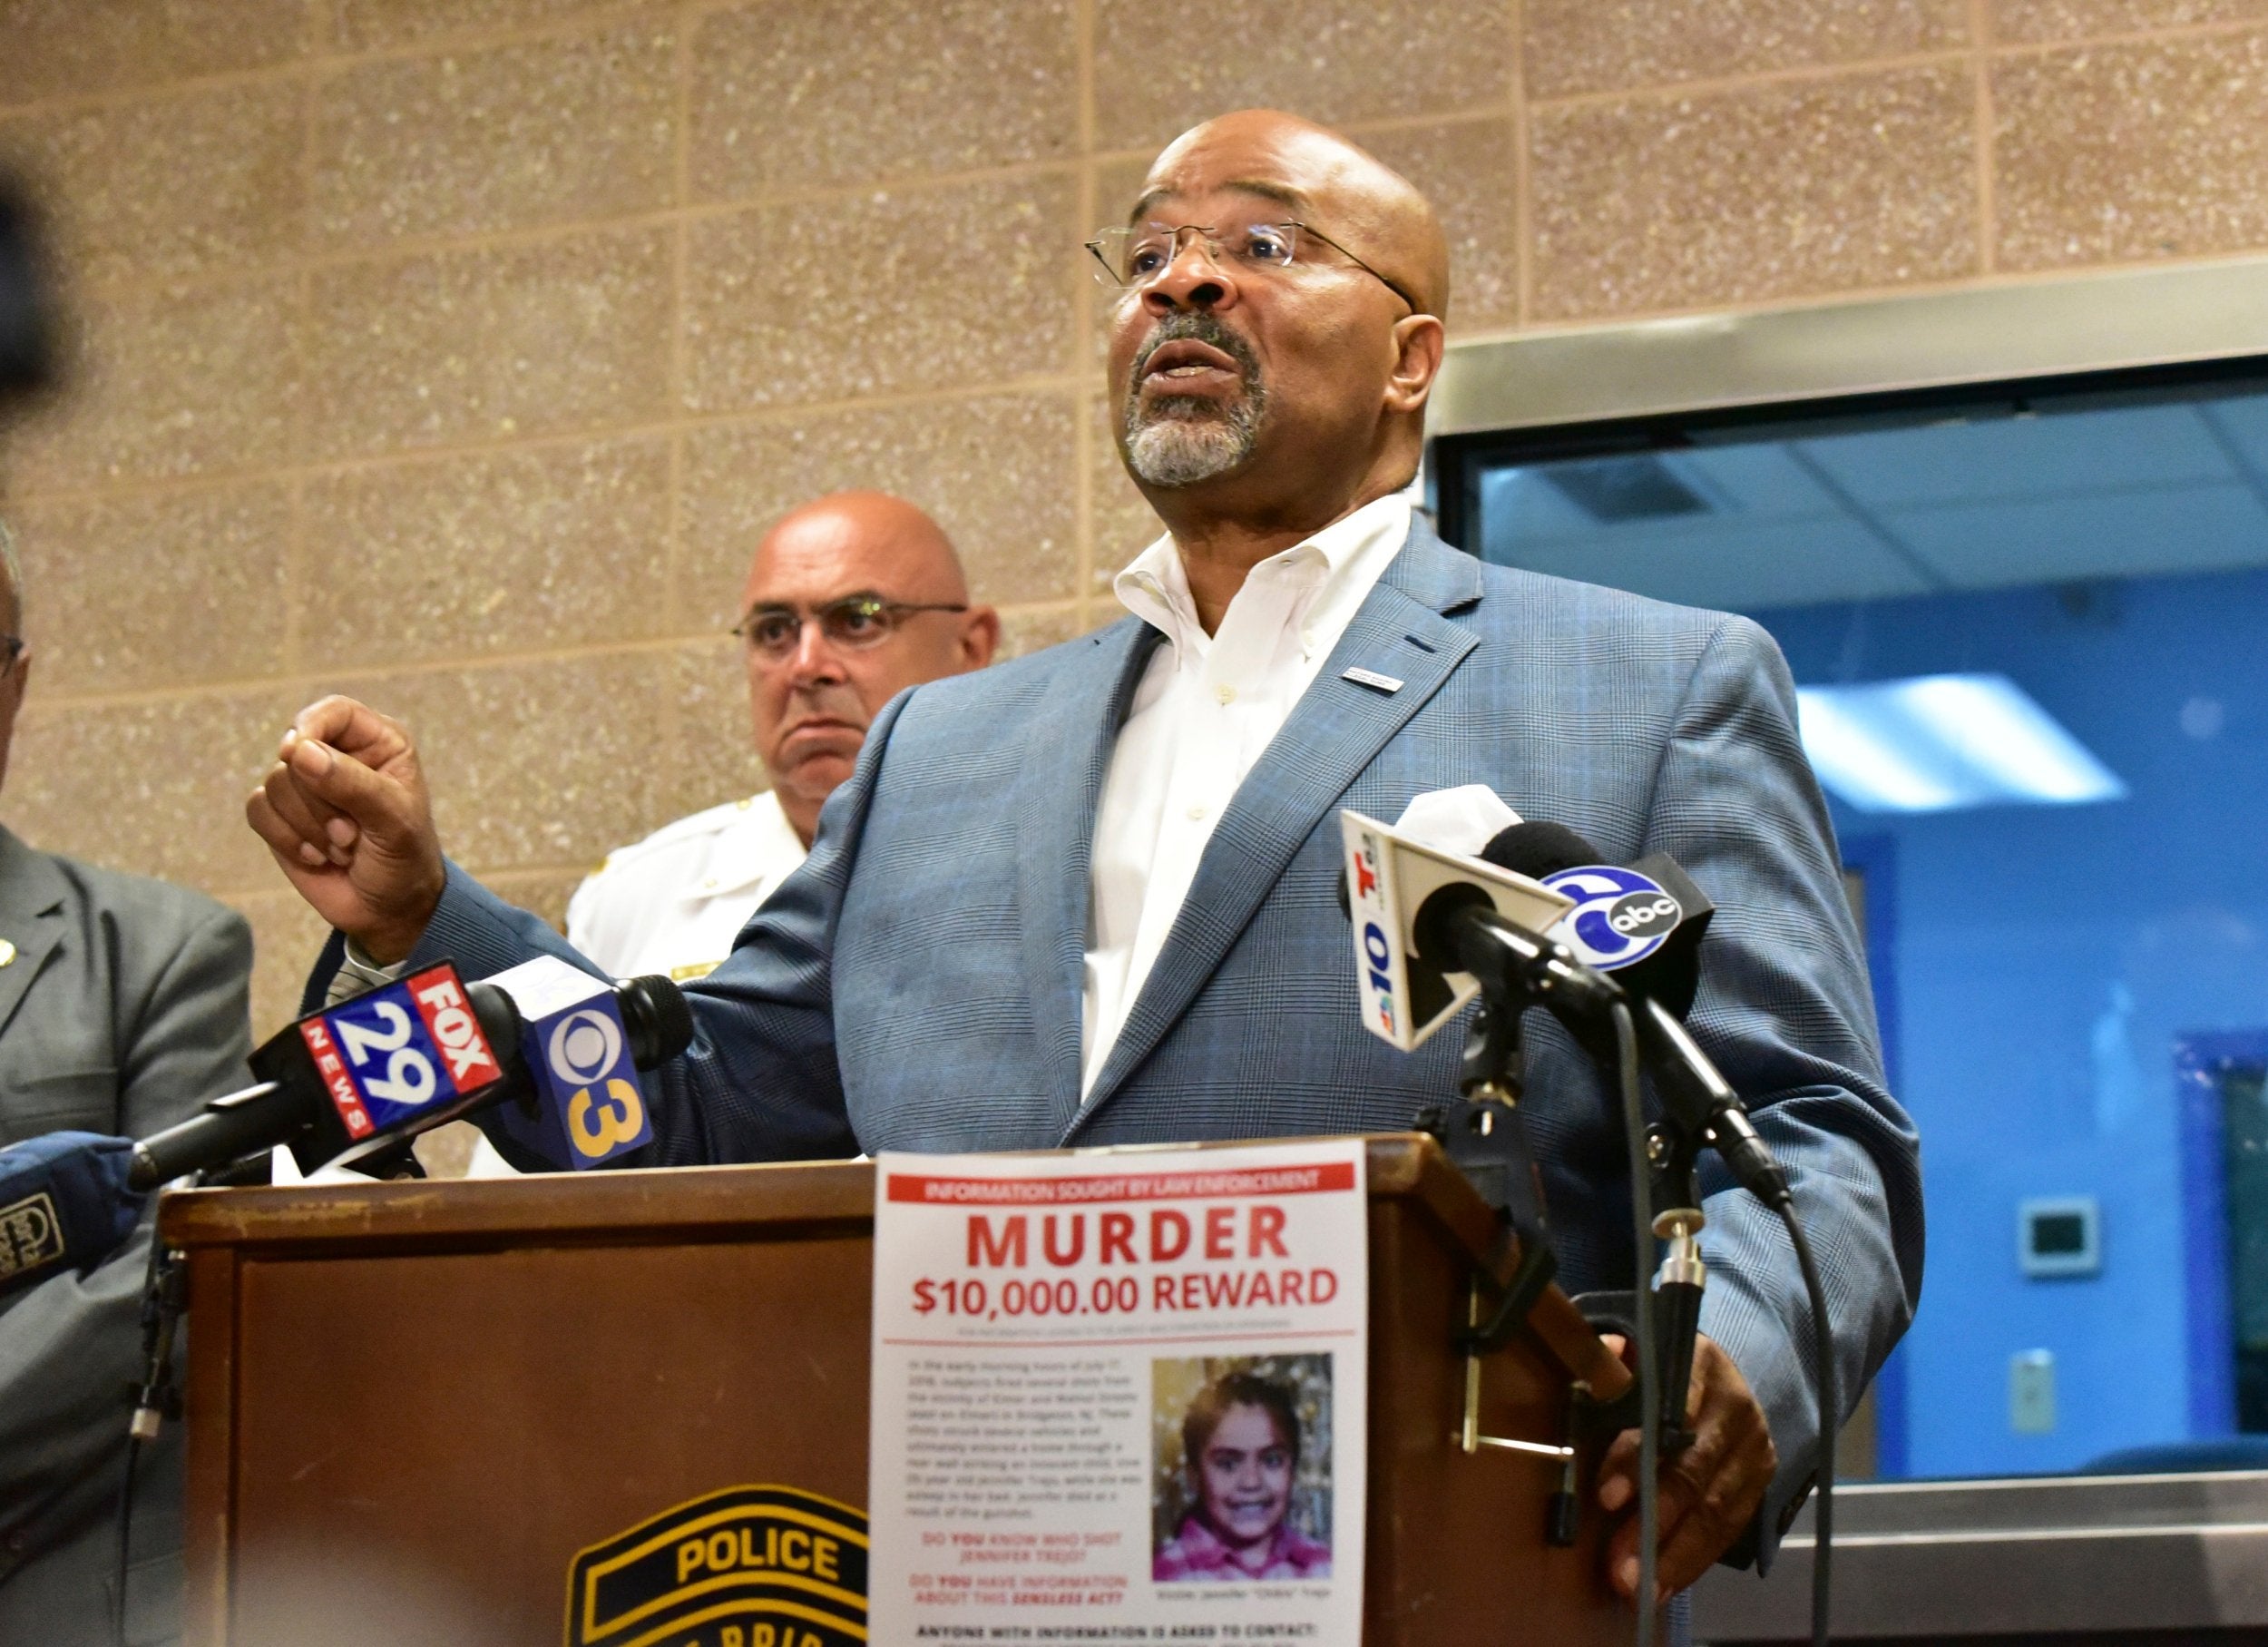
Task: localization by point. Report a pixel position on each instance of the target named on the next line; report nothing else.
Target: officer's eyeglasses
(854, 623)
(1134, 258)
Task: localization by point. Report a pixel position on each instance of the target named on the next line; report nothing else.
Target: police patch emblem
(753, 1567)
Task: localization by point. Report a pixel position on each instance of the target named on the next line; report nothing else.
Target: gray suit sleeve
(1786, 1011)
(186, 1038)
(68, 1347)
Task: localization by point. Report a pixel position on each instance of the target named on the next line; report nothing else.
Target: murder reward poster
(1120, 1396)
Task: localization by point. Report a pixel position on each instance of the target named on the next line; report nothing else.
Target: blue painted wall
(2046, 962)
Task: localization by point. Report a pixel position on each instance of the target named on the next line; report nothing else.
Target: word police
(782, 1549)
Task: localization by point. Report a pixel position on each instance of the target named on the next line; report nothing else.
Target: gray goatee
(1179, 440)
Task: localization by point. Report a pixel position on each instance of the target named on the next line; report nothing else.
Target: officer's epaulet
(694, 827)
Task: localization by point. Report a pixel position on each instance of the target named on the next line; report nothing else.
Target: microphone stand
(1673, 1155)
(1485, 1136)
(1518, 969)
(1679, 1282)
(1702, 1111)
(164, 1295)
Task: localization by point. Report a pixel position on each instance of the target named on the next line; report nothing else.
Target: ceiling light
(1937, 743)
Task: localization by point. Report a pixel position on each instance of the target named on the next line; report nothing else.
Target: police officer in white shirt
(851, 599)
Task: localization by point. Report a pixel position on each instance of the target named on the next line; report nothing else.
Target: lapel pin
(8, 952)
(1371, 678)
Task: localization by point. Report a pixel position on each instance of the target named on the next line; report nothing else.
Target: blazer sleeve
(1786, 1011)
(69, 1347)
(761, 1081)
(185, 1037)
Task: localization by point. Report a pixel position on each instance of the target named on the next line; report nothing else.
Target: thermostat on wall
(2059, 1235)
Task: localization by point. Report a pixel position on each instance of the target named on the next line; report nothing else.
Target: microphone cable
(1830, 1412)
(1642, 1309)
(1782, 1202)
(151, 1283)
(155, 1398)
(125, 1528)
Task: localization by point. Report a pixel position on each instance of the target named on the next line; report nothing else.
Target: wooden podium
(411, 1406)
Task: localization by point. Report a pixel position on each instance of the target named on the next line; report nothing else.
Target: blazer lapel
(1334, 732)
(31, 894)
(1058, 795)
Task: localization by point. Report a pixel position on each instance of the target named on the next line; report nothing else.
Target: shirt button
(1196, 814)
(710, 885)
(1225, 693)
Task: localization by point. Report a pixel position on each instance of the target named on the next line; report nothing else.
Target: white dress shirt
(1207, 707)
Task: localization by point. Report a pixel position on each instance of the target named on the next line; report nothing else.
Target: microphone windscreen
(65, 1202)
(1538, 847)
(661, 1023)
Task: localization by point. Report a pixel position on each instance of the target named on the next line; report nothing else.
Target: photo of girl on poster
(1242, 1487)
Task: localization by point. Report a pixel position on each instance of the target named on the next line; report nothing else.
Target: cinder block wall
(453, 352)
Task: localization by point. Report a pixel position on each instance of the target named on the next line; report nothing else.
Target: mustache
(1181, 440)
(1196, 326)
(830, 701)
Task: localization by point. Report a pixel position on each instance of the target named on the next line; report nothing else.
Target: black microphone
(1642, 926)
(1458, 929)
(28, 331)
(64, 1204)
(365, 1075)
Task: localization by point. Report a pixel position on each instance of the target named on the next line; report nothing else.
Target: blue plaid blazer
(917, 984)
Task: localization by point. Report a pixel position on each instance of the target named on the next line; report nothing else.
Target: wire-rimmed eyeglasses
(1135, 257)
(853, 622)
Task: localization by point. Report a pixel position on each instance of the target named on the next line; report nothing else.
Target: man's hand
(345, 811)
(1709, 1491)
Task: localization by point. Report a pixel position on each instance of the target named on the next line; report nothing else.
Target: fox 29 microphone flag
(389, 1053)
(587, 1106)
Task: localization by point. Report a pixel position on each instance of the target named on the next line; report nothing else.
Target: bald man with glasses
(850, 599)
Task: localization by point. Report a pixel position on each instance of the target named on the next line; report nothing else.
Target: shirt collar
(1155, 586)
(1203, 1547)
